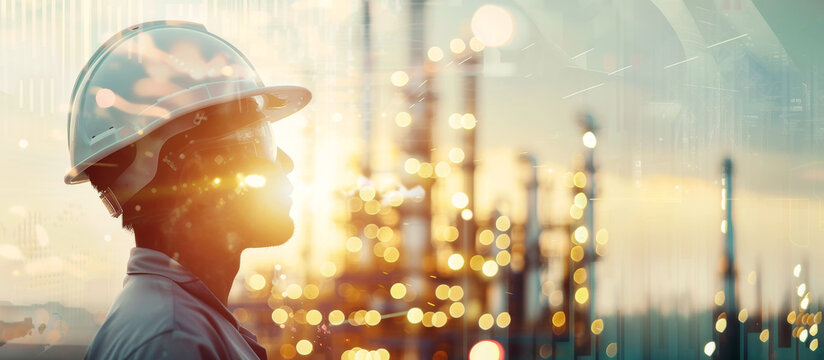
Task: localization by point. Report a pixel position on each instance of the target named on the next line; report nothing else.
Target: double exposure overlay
(421, 179)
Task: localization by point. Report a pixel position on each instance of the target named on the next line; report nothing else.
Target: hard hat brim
(278, 102)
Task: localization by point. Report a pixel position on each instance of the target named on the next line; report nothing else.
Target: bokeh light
(457, 309)
(486, 321)
(486, 237)
(503, 258)
(414, 315)
(581, 234)
(492, 25)
(456, 155)
(336, 317)
(398, 290)
(559, 319)
(709, 348)
(487, 350)
(403, 119)
(597, 326)
(476, 45)
(589, 140)
(490, 268)
(399, 78)
(455, 293)
(442, 292)
(503, 223)
(455, 261)
(313, 317)
(611, 350)
(279, 316)
(457, 46)
(460, 200)
(503, 241)
(582, 295)
(105, 98)
(435, 54)
(503, 320)
(257, 282)
(304, 347)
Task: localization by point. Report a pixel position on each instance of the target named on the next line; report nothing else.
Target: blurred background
(525, 179)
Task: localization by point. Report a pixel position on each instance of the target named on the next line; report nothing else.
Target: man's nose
(285, 162)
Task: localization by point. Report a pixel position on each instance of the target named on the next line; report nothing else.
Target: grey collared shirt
(165, 312)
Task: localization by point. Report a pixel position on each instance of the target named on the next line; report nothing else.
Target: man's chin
(274, 236)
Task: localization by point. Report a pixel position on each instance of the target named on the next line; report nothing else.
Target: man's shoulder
(150, 307)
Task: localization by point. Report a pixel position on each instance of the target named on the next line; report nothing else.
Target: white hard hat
(149, 74)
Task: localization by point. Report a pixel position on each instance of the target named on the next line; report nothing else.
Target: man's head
(170, 123)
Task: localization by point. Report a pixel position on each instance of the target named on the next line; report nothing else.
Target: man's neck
(210, 260)
(217, 273)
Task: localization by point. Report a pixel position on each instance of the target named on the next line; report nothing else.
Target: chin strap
(111, 203)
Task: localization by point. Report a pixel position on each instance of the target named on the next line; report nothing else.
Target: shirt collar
(153, 262)
(148, 261)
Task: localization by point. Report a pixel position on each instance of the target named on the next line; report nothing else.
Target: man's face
(238, 189)
(261, 212)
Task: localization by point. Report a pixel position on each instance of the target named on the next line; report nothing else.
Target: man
(170, 124)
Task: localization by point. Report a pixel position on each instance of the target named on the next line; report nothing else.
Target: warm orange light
(597, 326)
(502, 223)
(279, 316)
(559, 319)
(460, 200)
(414, 315)
(442, 292)
(336, 317)
(403, 119)
(398, 290)
(486, 321)
(372, 318)
(486, 237)
(254, 180)
(304, 347)
(487, 350)
(490, 268)
(257, 282)
(457, 309)
(455, 261)
(328, 269)
(313, 317)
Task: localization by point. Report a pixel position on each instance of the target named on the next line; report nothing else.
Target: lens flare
(254, 180)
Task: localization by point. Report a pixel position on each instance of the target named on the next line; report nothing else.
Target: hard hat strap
(111, 203)
(144, 167)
